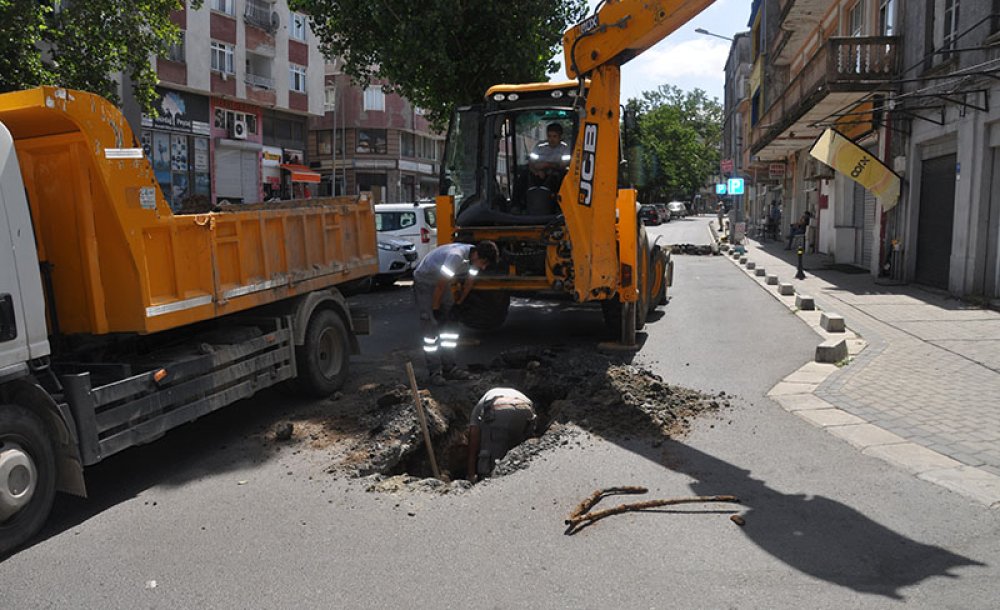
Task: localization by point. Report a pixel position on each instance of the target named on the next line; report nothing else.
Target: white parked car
(397, 258)
(414, 222)
(677, 209)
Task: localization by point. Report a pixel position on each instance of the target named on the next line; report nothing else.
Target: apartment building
(234, 101)
(822, 64)
(371, 140)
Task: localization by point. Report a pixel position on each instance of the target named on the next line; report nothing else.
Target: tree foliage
(678, 140)
(85, 44)
(439, 53)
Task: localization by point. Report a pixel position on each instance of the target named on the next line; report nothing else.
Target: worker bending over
(432, 281)
(503, 419)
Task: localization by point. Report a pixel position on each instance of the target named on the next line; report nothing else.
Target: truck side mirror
(8, 322)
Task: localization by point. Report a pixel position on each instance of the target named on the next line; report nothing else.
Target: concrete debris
(284, 432)
(693, 249)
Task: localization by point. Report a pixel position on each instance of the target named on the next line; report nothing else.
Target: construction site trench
(371, 430)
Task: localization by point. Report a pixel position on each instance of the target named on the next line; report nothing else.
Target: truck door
(23, 331)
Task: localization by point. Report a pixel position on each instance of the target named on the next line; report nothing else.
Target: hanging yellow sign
(843, 155)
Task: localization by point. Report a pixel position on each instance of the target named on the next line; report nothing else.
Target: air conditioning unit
(239, 131)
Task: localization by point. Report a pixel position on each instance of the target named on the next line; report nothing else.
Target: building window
(374, 98)
(887, 17)
(407, 148)
(224, 6)
(176, 50)
(298, 29)
(297, 78)
(222, 58)
(945, 27)
(371, 141)
(856, 20)
(330, 99)
(324, 142)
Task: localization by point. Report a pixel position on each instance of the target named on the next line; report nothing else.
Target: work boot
(457, 374)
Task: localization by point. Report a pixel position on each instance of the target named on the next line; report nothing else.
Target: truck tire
(27, 476)
(323, 359)
(484, 310)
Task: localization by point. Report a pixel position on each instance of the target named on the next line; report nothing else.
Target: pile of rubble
(575, 393)
(694, 249)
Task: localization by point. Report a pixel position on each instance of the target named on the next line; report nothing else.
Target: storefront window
(371, 141)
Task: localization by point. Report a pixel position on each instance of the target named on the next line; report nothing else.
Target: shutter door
(228, 173)
(251, 179)
(868, 230)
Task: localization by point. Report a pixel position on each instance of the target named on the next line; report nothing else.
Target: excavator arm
(600, 218)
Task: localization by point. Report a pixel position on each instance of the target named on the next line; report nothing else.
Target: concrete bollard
(751, 265)
(832, 323)
(760, 272)
(743, 260)
(831, 350)
(786, 289)
(805, 302)
(771, 280)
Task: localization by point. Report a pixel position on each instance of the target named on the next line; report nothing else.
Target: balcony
(261, 14)
(798, 20)
(259, 81)
(843, 71)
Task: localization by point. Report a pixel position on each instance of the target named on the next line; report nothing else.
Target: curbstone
(831, 350)
(771, 280)
(832, 323)
(805, 302)
(760, 272)
(786, 289)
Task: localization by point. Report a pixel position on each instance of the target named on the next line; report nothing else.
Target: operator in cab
(549, 159)
(432, 282)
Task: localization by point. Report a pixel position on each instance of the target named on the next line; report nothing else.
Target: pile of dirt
(694, 249)
(575, 393)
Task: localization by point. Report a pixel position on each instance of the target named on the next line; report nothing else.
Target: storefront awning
(301, 173)
(843, 155)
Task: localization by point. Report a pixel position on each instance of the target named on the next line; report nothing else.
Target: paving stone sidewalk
(930, 373)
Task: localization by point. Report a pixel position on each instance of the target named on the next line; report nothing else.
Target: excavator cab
(491, 160)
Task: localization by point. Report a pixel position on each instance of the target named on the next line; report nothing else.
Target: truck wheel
(27, 476)
(324, 357)
(484, 310)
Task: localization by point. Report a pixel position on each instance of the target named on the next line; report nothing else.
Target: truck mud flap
(142, 408)
(361, 322)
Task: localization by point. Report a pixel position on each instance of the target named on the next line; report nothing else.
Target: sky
(687, 59)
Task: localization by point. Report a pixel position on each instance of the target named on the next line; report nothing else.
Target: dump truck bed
(118, 260)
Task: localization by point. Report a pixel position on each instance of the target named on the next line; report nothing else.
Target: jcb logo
(860, 167)
(589, 163)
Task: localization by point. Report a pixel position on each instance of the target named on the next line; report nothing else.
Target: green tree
(84, 44)
(439, 53)
(678, 140)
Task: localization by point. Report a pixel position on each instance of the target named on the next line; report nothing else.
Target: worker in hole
(501, 420)
(432, 291)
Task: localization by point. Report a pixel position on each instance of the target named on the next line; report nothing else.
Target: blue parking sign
(720, 189)
(735, 186)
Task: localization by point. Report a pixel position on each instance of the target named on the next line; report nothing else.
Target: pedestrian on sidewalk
(720, 213)
(799, 228)
(432, 292)
(503, 419)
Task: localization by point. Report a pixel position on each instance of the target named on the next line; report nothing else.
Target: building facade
(370, 140)
(234, 100)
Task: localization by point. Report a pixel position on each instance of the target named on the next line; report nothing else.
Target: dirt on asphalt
(371, 431)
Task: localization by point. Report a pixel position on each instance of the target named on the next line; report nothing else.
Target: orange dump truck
(120, 320)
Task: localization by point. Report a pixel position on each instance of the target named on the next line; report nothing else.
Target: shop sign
(726, 166)
(776, 170)
(179, 111)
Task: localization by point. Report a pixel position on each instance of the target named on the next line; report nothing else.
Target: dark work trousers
(439, 339)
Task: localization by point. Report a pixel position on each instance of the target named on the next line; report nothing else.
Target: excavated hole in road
(575, 393)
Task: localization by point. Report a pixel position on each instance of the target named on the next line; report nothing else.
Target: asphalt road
(825, 526)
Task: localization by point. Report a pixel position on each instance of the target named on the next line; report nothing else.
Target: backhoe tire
(324, 358)
(484, 310)
(659, 272)
(28, 465)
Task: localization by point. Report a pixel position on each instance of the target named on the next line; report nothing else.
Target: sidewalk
(923, 394)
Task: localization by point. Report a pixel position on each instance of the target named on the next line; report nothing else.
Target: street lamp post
(707, 33)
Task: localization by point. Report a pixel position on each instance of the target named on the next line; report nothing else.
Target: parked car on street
(649, 215)
(677, 209)
(664, 212)
(397, 258)
(414, 222)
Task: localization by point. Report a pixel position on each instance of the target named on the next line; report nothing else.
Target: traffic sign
(735, 186)
(720, 189)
